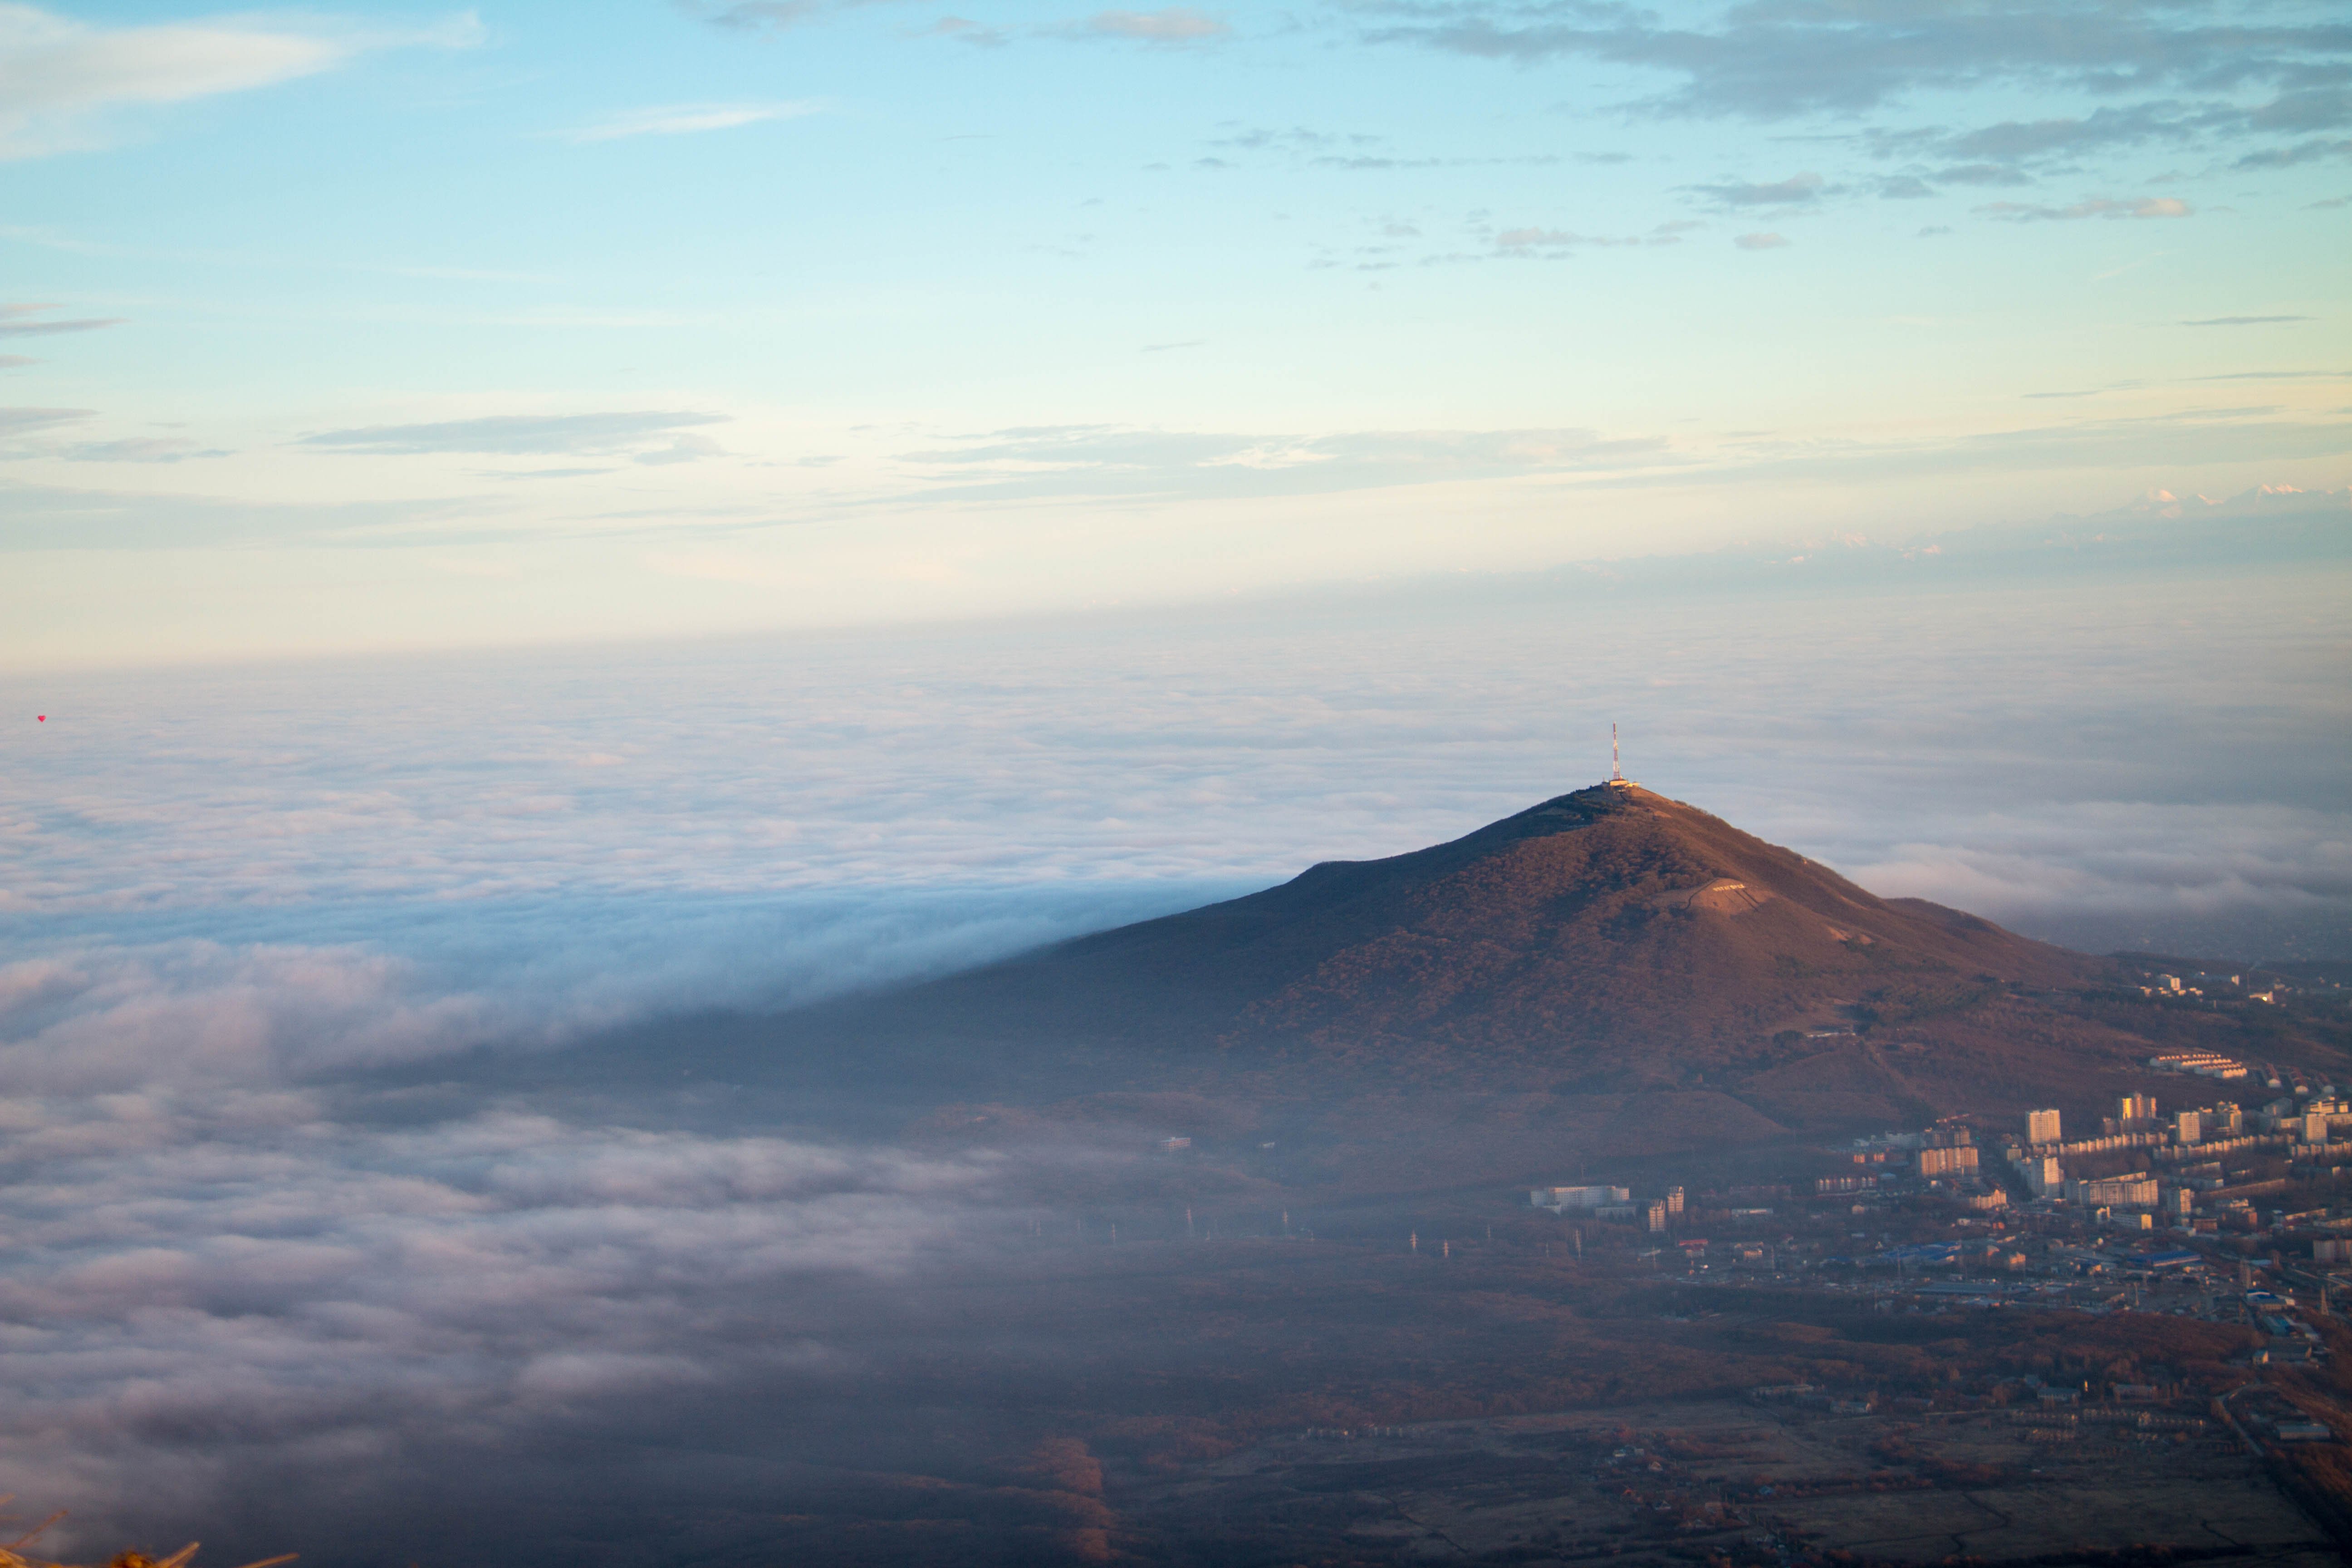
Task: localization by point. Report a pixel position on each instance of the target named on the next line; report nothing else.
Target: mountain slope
(1612, 929)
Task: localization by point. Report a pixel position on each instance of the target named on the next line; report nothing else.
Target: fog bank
(239, 1268)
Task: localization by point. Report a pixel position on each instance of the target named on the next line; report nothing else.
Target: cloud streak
(1797, 190)
(13, 322)
(689, 120)
(69, 82)
(1087, 459)
(1168, 25)
(141, 449)
(25, 421)
(2097, 206)
(515, 435)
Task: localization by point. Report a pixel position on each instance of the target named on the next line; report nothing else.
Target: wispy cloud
(16, 321)
(1761, 241)
(1038, 462)
(24, 421)
(141, 449)
(964, 31)
(2269, 374)
(2097, 206)
(2154, 74)
(2017, 140)
(1797, 190)
(1169, 24)
(747, 16)
(1772, 61)
(2245, 321)
(1172, 26)
(1529, 241)
(69, 82)
(515, 434)
(464, 274)
(689, 118)
(2318, 150)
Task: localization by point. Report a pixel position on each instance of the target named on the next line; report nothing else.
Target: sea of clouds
(236, 1263)
(289, 1319)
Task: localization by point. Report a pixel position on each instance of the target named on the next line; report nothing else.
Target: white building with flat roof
(1576, 1197)
(2137, 1191)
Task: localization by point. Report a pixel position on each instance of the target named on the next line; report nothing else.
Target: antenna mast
(1616, 772)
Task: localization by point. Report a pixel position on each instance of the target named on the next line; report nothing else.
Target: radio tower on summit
(1617, 779)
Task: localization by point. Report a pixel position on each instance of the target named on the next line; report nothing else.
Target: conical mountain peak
(1611, 934)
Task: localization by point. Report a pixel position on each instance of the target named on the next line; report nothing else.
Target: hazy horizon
(529, 844)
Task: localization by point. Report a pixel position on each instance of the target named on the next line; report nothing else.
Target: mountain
(1609, 916)
(1607, 978)
(1610, 939)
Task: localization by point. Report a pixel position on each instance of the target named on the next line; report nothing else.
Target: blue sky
(331, 330)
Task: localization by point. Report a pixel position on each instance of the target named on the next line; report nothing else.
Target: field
(1685, 1481)
(1267, 1402)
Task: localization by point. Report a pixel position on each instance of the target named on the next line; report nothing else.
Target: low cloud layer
(914, 797)
(269, 997)
(213, 1295)
(2238, 880)
(255, 1278)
